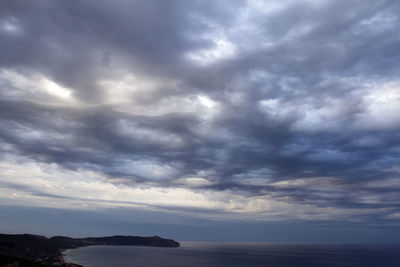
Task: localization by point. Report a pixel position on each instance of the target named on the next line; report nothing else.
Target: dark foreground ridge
(34, 250)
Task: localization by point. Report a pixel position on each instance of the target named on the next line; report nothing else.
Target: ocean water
(204, 254)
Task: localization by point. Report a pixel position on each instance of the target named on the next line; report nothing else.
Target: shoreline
(66, 263)
(36, 250)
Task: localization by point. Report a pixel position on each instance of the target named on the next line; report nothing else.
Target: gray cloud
(308, 93)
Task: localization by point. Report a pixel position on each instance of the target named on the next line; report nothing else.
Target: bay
(207, 254)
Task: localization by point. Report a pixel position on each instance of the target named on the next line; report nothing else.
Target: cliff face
(43, 251)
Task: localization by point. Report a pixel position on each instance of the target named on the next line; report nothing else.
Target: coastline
(35, 250)
(63, 260)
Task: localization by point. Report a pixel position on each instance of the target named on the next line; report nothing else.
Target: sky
(254, 120)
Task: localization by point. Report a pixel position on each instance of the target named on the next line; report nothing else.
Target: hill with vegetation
(27, 250)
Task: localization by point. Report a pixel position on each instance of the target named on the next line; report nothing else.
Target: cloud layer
(238, 109)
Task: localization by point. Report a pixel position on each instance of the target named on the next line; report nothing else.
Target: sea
(207, 254)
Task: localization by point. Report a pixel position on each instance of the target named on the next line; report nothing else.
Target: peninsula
(40, 251)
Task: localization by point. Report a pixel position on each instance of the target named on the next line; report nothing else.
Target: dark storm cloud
(85, 37)
(301, 59)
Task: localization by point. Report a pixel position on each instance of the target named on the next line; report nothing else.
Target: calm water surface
(237, 254)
